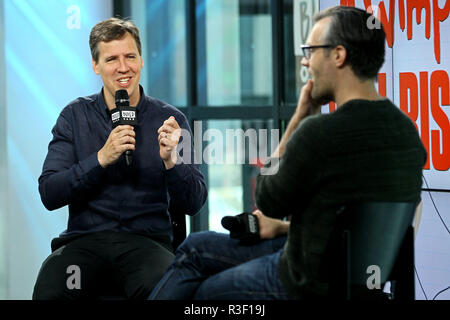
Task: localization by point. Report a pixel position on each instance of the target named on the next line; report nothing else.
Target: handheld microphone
(243, 227)
(123, 114)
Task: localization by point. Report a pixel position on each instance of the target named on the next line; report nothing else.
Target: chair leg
(347, 264)
(404, 288)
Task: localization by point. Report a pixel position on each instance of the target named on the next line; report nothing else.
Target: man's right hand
(306, 105)
(121, 139)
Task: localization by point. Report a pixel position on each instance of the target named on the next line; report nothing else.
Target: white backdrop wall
(47, 65)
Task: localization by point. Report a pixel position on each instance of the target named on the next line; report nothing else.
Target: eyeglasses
(307, 50)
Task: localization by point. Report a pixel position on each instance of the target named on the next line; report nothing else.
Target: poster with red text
(416, 78)
(415, 75)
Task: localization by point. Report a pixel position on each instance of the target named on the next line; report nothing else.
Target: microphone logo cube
(253, 224)
(128, 115)
(115, 116)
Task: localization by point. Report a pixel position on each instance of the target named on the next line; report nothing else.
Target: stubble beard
(320, 95)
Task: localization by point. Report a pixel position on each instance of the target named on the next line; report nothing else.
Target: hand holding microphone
(122, 137)
(120, 140)
(244, 227)
(249, 228)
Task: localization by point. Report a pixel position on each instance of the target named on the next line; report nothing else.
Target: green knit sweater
(364, 151)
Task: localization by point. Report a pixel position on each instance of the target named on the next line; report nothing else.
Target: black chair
(112, 290)
(179, 229)
(373, 243)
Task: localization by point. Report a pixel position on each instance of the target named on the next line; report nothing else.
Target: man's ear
(95, 67)
(340, 56)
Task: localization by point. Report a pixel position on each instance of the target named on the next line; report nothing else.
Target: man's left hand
(168, 136)
(270, 228)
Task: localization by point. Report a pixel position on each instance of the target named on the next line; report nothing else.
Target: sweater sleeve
(185, 183)
(63, 178)
(285, 185)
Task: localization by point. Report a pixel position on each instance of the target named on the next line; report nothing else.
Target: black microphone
(123, 114)
(243, 227)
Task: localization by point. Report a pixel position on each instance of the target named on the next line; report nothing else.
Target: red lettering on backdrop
(382, 84)
(441, 156)
(439, 95)
(408, 83)
(332, 106)
(348, 3)
(424, 116)
(419, 5)
(388, 24)
(439, 15)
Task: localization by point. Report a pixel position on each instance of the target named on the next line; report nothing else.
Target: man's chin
(321, 99)
(324, 101)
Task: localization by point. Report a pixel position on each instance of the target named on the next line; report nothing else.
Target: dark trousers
(83, 266)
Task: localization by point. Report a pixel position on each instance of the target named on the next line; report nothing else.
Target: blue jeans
(211, 265)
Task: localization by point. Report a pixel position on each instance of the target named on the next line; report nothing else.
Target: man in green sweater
(367, 150)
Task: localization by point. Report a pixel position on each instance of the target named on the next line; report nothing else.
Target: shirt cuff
(176, 174)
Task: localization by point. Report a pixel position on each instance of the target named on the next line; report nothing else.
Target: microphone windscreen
(230, 223)
(121, 98)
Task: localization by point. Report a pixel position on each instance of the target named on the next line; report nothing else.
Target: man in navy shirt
(118, 214)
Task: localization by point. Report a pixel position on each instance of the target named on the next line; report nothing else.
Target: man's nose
(304, 62)
(123, 66)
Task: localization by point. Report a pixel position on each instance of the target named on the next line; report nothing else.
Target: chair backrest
(178, 228)
(369, 241)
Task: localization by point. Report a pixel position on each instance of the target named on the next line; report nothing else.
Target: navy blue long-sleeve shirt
(119, 198)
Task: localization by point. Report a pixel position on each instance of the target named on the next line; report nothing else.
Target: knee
(40, 293)
(46, 286)
(196, 241)
(55, 282)
(49, 290)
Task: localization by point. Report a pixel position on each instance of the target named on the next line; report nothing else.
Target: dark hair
(112, 29)
(360, 34)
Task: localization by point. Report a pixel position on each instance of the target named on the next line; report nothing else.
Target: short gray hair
(365, 46)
